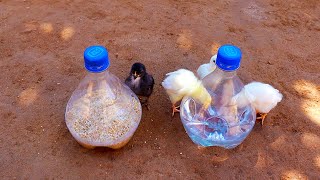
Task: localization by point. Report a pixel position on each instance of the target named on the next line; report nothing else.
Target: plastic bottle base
(86, 145)
(226, 147)
(115, 146)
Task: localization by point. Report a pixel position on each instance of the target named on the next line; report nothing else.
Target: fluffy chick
(140, 82)
(182, 83)
(263, 98)
(206, 69)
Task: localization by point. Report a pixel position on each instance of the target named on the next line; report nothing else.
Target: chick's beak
(135, 75)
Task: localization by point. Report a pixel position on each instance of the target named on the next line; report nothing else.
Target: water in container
(222, 123)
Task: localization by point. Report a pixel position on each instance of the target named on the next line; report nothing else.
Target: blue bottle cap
(96, 59)
(228, 57)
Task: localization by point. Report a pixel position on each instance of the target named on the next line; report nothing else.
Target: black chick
(140, 82)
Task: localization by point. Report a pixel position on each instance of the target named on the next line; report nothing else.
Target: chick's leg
(145, 102)
(175, 109)
(262, 117)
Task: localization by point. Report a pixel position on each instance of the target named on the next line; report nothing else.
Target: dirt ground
(41, 61)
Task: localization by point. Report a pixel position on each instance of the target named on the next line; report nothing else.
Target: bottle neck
(225, 74)
(217, 76)
(98, 75)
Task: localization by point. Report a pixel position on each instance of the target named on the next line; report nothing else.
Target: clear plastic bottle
(102, 111)
(223, 123)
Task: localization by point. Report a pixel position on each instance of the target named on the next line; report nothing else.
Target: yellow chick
(206, 69)
(263, 98)
(182, 83)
